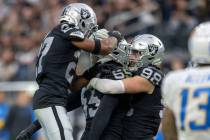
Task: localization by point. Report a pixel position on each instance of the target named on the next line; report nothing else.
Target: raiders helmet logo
(85, 13)
(153, 49)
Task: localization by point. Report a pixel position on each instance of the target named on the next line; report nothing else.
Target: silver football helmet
(199, 44)
(119, 54)
(82, 16)
(144, 50)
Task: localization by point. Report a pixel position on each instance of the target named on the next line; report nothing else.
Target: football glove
(24, 135)
(117, 35)
(27, 133)
(100, 34)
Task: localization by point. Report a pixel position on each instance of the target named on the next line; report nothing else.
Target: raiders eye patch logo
(85, 13)
(153, 49)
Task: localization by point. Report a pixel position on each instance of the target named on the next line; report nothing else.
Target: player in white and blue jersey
(186, 93)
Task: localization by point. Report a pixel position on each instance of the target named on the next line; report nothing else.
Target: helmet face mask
(82, 16)
(120, 53)
(88, 29)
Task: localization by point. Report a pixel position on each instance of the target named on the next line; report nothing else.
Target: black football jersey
(56, 63)
(143, 119)
(91, 98)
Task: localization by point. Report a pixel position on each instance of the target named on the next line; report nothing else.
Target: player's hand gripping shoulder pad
(117, 35)
(101, 34)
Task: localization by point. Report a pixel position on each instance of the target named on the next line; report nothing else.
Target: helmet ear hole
(116, 53)
(83, 24)
(150, 58)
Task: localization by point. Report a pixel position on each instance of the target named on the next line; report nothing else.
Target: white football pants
(55, 123)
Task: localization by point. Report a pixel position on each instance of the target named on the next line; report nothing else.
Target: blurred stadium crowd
(23, 23)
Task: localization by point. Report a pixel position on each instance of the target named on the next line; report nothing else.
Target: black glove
(91, 72)
(27, 133)
(106, 70)
(24, 135)
(116, 34)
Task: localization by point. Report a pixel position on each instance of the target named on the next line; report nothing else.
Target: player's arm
(168, 89)
(137, 84)
(131, 85)
(168, 125)
(78, 83)
(104, 46)
(144, 82)
(81, 81)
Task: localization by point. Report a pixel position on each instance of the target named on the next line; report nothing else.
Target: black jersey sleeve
(91, 72)
(74, 101)
(102, 116)
(69, 31)
(104, 70)
(152, 74)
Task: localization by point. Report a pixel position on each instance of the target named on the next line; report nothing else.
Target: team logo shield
(153, 49)
(85, 13)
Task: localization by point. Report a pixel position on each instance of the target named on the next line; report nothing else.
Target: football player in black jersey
(56, 63)
(142, 120)
(91, 99)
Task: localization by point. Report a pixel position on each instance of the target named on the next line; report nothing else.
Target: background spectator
(20, 115)
(23, 23)
(8, 66)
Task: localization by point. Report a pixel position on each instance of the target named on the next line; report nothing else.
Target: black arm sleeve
(27, 133)
(74, 101)
(91, 72)
(102, 117)
(35, 126)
